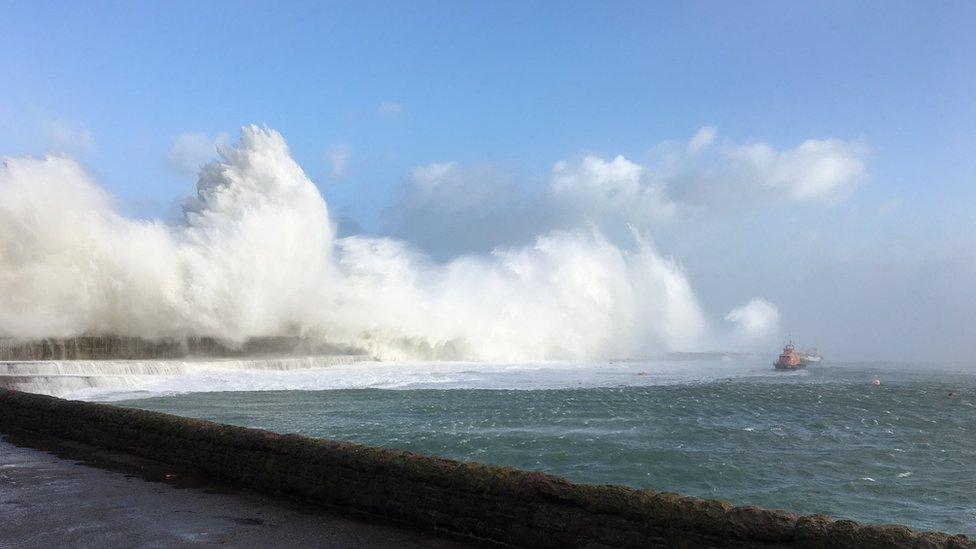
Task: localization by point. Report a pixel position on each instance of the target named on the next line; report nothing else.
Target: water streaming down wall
(57, 366)
(110, 347)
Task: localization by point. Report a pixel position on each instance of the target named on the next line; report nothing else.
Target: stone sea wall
(113, 347)
(500, 504)
(60, 377)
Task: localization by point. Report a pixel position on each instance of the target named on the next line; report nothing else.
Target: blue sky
(510, 88)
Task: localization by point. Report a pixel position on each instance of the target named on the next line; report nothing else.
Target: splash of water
(256, 254)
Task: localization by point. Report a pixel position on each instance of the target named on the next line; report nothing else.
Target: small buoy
(642, 373)
(876, 381)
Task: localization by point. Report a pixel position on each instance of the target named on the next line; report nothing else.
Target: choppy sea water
(821, 441)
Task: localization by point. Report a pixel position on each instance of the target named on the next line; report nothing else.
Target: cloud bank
(447, 208)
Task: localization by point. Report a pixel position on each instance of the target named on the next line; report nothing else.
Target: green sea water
(823, 441)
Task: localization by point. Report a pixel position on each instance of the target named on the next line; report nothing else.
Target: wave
(256, 254)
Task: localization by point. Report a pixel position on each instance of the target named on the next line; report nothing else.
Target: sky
(815, 156)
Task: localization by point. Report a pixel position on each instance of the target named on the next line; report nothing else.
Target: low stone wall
(494, 503)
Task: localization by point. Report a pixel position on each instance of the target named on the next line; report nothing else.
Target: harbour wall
(114, 347)
(60, 377)
(499, 504)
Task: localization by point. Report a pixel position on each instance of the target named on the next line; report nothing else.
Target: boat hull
(788, 359)
(788, 367)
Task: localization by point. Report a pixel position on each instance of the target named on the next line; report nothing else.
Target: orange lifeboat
(788, 359)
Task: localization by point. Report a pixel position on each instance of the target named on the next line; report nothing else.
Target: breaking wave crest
(256, 254)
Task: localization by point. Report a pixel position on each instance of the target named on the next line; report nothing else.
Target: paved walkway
(49, 501)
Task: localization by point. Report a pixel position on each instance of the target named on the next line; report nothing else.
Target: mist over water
(257, 254)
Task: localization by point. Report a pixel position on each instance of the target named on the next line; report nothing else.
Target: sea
(874, 442)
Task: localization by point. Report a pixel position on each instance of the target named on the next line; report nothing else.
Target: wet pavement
(52, 501)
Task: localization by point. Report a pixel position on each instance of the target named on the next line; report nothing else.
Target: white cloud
(815, 171)
(63, 136)
(390, 108)
(756, 321)
(707, 177)
(700, 176)
(192, 150)
(338, 156)
(703, 139)
(443, 204)
(432, 175)
(618, 188)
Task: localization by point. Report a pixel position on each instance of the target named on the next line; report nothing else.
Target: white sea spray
(256, 254)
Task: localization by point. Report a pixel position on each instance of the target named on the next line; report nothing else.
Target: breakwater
(500, 504)
(113, 347)
(58, 366)
(57, 377)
